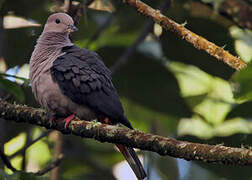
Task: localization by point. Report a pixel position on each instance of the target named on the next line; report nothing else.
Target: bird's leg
(94, 120)
(68, 120)
(107, 121)
(52, 119)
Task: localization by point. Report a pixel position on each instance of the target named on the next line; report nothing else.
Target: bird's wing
(83, 77)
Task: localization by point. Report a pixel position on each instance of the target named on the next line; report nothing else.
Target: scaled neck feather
(48, 48)
(56, 39)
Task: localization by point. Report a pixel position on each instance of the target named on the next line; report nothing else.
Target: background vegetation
(167, 86)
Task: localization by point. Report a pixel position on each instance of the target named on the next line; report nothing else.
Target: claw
(51, 120)
(107, 121)
(68, 120)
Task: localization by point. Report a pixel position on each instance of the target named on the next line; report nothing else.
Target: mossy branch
(133, 138)
(194, 39)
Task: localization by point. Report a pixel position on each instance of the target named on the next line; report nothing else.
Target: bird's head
(60, 22)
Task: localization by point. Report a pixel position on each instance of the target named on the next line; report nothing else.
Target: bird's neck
(54, 40)
(48, 48)
(49, 45)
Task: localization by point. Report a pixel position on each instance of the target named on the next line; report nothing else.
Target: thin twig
(27, 141)
(76, 11)
(6, 161)
(196, 40)
(148, 26)
(201, 10)
(39, 173)
(101, 29)
(51, 166)
(58, 143)
(26, 81)
(237, 10)
(132, 48)
(46, 133)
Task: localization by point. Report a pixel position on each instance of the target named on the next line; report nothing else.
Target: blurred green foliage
(167, 87)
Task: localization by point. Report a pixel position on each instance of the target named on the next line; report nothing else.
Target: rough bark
(133, 138)
(194, 39)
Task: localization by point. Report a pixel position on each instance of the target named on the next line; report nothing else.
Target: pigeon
(70, 81)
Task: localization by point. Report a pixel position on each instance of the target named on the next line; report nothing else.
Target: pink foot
(68, 120)
(52, 118)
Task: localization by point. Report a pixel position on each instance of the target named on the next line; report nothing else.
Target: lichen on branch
(133, 138)
(194, 39)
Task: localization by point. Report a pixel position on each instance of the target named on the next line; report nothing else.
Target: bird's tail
(131, 157)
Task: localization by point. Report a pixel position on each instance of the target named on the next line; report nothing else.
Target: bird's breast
(46, 91)
(49, 95)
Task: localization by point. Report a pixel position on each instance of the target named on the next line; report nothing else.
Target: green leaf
(147, 82)
(192, 80)
(195, 126)
(207, 95)
(13, 89)
(15, 144)
(193, 101)
(244, 86)
(233, 126)
(109, 38)
(20, 176)
(243, 42)
(23, 73)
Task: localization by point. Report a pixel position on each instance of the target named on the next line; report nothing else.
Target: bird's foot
(68, 120)
(107, 121)
(51, 120)
(94, 121)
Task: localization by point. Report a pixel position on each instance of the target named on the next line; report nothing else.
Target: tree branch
(132, 48)
(57, 149)
(148, 26)
(236, 10)
(239, 11)
(46, 133)
(26, 81)
(6, 161)
(132, 138)
(101, 29)
(196, 40)
(51, 166)
(39, 173)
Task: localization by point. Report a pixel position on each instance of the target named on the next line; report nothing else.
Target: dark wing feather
(83, 77)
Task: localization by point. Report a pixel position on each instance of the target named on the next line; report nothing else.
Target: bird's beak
(72, 28)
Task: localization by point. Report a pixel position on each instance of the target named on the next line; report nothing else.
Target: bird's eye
(57, 21)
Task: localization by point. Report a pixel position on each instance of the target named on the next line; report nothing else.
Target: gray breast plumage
(46, 91)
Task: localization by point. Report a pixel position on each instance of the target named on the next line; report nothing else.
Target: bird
(69, 81)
